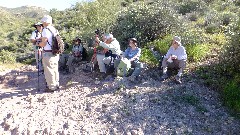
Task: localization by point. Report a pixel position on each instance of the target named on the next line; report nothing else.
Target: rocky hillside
(26, 11)
(87, 104)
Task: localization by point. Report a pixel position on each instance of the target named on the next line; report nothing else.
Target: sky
(47, 4)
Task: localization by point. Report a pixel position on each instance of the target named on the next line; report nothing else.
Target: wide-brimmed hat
(47, 19)
(37, 24)
(134, 39)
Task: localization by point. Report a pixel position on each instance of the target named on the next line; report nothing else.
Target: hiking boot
(164, 77)
(48, 90)
(178, 79)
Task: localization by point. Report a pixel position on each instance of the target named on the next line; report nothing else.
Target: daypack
(57, 43)
(124, 67)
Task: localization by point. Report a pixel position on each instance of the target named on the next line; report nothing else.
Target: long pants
(178, 64)
(101, 64)
(63, 61)
(71, 60)
(138, 66)
(50, 64)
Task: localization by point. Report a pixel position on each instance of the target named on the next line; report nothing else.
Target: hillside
(207, 102)
(26, 11)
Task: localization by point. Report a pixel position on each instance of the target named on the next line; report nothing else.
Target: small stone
(134, 132)
(207, 114)
(21, 79)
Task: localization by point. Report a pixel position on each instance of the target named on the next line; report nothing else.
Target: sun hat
(177, 39)
(37, 24)
(109, 36)
(134, 39)
(47, 19)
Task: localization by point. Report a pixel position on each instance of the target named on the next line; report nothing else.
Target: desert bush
(212, 28)
(145, 22)
(231, 53)
(197, 52)
(148, 57)
(228, 17)
(7, 57)
(232, 94)
(161, 45)
(188, 6)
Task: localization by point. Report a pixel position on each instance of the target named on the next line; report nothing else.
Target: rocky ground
(88, 104)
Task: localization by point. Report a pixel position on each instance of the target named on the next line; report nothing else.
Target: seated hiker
(175, 58)
(132, 54)
(112, 45)
(98, 52)
(76, 54)
(64, 58)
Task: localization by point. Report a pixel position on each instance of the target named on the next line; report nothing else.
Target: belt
(47, 50)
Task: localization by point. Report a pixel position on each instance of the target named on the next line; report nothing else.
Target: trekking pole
(38, 59)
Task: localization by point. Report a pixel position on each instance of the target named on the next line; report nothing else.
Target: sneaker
(164, 77)
(178, 79)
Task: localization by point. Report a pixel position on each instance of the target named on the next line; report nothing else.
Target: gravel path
(85, 105)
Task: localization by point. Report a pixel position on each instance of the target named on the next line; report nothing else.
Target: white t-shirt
(46, 33)
(35, 35)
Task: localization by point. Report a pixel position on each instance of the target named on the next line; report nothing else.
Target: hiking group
(107, 55)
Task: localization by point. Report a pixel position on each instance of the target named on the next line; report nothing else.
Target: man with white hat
(50, 60)
(36, 38)
(176, 57)
(111, 44)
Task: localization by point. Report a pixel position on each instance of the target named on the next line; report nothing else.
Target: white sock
(180, 72)
(164, 70)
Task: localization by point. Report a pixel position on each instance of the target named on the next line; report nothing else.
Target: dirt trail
(112, 106)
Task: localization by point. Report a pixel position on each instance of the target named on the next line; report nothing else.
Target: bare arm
(44, 42)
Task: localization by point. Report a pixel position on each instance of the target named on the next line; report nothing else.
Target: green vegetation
(209, 30)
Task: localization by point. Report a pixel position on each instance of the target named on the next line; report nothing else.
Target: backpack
(57, 43)
(123, 67)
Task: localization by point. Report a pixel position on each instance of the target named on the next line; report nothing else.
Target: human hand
(97, 39)
(174, 57)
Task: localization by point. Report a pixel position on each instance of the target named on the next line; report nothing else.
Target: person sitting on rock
(113, 47)
(76, 55)
(176, 57)
(132, 53)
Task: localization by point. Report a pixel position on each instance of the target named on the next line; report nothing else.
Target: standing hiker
(36, 38)
(50, 60)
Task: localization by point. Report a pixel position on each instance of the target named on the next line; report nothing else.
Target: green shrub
(188, 7)
(197, 52)
(148, 57)
(212, 28)
(231, 94)
(7, 57)
(228, 17)
(218, 39)
(146, 22)
(231, 52)
(161, 45)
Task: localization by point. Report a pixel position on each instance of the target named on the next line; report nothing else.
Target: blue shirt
(129, 53)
